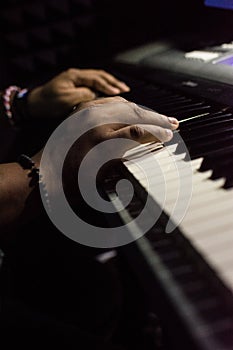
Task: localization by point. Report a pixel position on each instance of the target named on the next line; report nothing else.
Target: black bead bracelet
(27, 163)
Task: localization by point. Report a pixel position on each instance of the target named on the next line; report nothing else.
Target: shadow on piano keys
(187, 275)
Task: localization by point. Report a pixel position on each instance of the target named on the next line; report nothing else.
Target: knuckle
(96, 83)
(163, 118)
(71, 71)
(138, 110)
(85, 104)
(136, 132)
(97, 79)
(120, 99)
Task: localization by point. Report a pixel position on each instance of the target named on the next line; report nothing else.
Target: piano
(184, 262)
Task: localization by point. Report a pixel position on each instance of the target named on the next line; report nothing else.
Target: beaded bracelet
(14, 101)
(7, 101)
(27, 163)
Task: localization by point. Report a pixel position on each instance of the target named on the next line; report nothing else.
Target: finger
(143, 133)
(101, 101)
(141, 115)
(81, 94)
(128, 113)
(101, 84)
(114, 81)
(92, 79)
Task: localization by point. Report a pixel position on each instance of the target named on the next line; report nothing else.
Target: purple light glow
(228, 61)
(225, 4)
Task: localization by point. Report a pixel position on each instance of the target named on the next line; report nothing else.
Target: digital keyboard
(184, 263)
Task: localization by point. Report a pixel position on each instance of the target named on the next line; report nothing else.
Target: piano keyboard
(193, 265)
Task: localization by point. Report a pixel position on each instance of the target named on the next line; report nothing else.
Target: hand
(117, 119)
(141, 125)
(56, 98)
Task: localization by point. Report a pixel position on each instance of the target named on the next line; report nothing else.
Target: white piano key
(172, 172)
(173, 186)
(209, 194)
(217, 240)
(220, 259)
(205, 196)
(227, 278)
(196, 230)
(149, 149)
(208, 221)
(202, 215)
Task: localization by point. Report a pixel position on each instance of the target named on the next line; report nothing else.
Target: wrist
(34, 102)
(20, 106)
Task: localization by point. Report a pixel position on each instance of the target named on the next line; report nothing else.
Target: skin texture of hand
(118, 119)
(56, 98)
(141, 125)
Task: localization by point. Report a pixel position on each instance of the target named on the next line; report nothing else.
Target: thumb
(143, 133)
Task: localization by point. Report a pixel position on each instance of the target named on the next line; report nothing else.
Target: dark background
(42, 37)
(39, 39)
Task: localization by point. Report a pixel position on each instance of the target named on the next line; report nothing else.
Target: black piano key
(134, 208)
(132, 82)
(170, 100)
(179, 108)
(211, 312)
(161, 99)
(147, 98)
(229, 182)
(218, 173)
(207, 133)
(206, 140)
(189, 113)
(175, 104)
(167, 108)
(184, 273)
(215, 157)
(222, 169)
(205, 153)
(152, 101)
(206, 119)
(197, 291)
(207, 145)
(209, 124)
(207, 150)
(209, 136)
(148, 91)
(219, 168)
(159, 244)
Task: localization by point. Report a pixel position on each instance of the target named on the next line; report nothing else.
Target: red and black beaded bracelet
(15, 104)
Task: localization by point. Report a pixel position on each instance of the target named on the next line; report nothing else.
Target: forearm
(19, 198)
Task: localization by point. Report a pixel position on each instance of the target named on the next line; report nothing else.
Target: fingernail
(173, 120)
